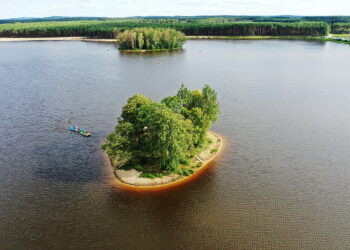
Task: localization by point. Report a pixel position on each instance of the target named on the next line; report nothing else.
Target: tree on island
(164, 134)
(150, 39)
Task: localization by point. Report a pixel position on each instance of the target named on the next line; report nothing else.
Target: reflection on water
(283, 181)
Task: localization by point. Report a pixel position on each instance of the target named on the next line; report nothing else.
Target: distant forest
(100, 27)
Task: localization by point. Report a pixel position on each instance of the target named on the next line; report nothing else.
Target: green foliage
(198, 164)
(214, 150)
(341, 28)
(195, 26)
(127, 166)
(151, 175)
(166, 133)
(147, 175)
(202, 108)
(130, 109)
(185, 162)
(174, 103)
(138, 168)
(185, 172)
(150, 39)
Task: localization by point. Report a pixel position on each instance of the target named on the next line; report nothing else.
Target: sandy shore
(5, 39)
(131, 177)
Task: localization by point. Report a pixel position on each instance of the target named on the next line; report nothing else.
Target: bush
(151, 175)
(198, 164)
(138, 168)
(147, 175)
(127, 166)
(214, 150)
(185, 162)
(186, 172)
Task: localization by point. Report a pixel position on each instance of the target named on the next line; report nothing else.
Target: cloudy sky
(122, 8)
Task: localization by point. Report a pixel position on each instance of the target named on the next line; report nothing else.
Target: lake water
(283, 181)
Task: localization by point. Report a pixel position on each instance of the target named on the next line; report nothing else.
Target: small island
(150, 39)
(160, 143)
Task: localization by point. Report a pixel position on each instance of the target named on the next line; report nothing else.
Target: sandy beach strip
(74, 38)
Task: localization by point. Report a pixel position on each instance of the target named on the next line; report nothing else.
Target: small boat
(81, 131)
(84, 132)
(74, 128)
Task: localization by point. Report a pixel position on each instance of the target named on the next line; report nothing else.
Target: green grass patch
(151, 175)
(138, 168)
(214, 150)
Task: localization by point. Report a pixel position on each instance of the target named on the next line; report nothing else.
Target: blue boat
(81, 131)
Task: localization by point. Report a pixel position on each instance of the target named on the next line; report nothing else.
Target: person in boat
(76, 128)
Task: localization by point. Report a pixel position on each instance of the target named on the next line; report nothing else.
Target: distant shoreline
(130, 178)
(146, 50)
(73, 38)
(330, 38)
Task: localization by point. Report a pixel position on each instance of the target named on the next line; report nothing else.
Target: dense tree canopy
(341, 28)
(166, 133)
(150, 39)
(200, 26)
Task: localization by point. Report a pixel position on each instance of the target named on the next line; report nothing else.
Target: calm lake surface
(283, 181)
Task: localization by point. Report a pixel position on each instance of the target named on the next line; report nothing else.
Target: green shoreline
(307, 38)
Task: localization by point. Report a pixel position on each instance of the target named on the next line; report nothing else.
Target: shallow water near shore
(283, 180)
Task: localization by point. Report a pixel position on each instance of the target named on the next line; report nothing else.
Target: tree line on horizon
(196, 27)
(341, 28)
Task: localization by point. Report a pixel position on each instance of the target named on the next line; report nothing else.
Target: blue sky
(123, 8)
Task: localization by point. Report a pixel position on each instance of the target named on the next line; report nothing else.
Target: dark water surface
(283, 182)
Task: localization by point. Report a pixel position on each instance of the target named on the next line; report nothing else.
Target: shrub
(214, 150)
(147, 175)
(185, 162)
(187, 172)
(138, 168)
(151, 175)
(198, 164)
(127, 166)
